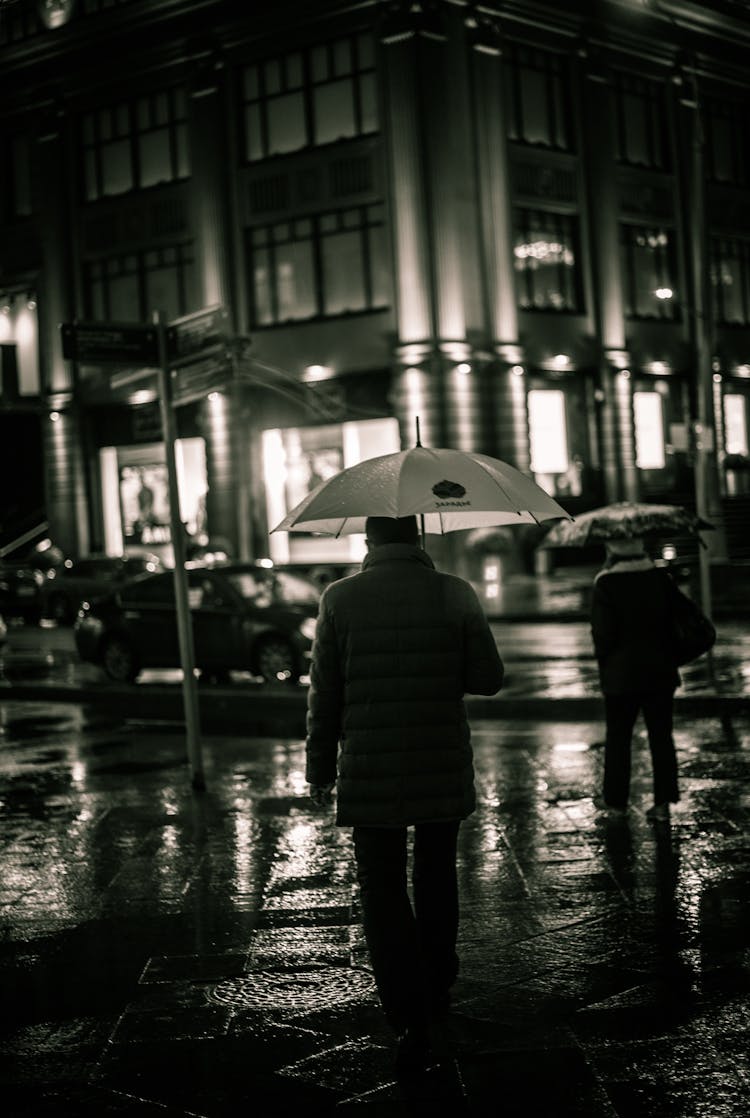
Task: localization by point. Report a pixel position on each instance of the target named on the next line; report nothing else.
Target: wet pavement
(540, 624)
(169, 952)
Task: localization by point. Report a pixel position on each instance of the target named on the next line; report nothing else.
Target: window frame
(556, 76)
(524, 275)
(666, 266)
(185, 263)
(365, 227)
(307, 86)
(651, 93)
(740, 252)
(111, 118)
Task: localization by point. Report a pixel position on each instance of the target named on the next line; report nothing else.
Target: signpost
(162, 349)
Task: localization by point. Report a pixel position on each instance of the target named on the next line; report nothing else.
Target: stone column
(510, 429)
(208, 184)
(619, 473)
(65, 487)
(221, 474)
(623, 392)
(416, 387)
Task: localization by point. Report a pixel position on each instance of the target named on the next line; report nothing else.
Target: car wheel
(59, 609)
(118, 660)
(276, 662)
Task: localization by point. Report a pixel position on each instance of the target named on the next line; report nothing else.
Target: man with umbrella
(397, 647)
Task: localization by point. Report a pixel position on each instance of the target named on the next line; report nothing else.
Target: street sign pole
(184, 622)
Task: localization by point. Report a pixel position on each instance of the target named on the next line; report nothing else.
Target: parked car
(245, 618)
(20, 590)
(66, 587)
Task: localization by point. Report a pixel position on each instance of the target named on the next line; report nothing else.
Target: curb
(282, 714)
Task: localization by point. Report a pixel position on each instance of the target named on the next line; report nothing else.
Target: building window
(326, 265)
(19, 178)
(324, 94)
(641, 122)
(649, 430)
(537, 91)
(545, 261)
(730, 280)
(136, 144)
(649, 269)
(735, 424)
(727, 151)
(129, 288)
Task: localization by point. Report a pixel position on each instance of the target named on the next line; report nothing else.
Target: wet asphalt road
(166, 952)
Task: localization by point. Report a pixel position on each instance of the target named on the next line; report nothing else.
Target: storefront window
(649, 430)
(296, 459)
(735, 424)
(548, 431)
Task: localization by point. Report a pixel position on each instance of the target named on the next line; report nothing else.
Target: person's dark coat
(631, 625)
(396, 648)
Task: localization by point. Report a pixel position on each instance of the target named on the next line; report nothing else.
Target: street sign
(196, 335)
(122, 343)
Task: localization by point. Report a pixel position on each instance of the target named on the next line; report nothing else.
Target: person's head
(625, 549)
(389, 529)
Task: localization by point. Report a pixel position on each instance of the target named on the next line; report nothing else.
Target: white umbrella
(449, 489)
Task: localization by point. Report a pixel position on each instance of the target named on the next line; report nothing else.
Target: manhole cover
(300, 990)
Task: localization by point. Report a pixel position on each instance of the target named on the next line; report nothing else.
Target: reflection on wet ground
(176, 953)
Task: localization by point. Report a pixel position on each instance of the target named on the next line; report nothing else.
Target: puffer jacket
(396, 648)
(631, 626)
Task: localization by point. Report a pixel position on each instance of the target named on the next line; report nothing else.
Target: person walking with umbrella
(631, 626)
(397, 647)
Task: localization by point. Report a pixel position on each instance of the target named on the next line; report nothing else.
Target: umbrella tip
(419, 442)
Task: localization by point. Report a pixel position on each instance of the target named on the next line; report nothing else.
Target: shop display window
(648, 418)
(548, 432)
(735, 424)
(296, 459)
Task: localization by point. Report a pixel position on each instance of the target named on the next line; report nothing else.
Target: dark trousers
(412, 949)
(621, 713)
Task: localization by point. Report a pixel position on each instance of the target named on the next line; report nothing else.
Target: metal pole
(184, 623)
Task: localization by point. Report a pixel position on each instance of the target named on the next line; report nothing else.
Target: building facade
(526, 224)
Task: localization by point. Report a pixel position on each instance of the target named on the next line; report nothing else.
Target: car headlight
(307, 628)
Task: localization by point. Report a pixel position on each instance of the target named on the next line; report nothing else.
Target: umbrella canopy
(451, 489)
(625, 520)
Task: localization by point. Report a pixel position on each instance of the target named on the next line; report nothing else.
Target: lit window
(649, 431)
(547, 431)
(735, 424)
(545, 261)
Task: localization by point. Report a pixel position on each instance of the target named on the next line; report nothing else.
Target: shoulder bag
(692, 632)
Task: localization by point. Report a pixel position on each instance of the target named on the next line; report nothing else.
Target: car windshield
(277, 587)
